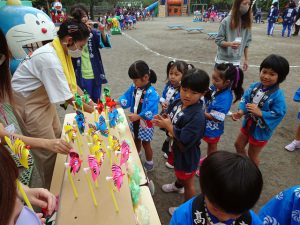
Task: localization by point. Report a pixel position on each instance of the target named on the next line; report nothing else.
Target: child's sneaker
(148, 167)
(293, 146)
(172, 188)
(165, 155)
(172, 210)
(168, 165)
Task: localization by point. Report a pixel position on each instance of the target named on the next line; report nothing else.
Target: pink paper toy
(93, 164)
(75, 162)
(125, 150)
(117, 176)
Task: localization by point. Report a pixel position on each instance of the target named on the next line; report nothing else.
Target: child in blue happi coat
(143, 101)
(263, 107)
(272, 18)
(230, 186)
(185, 124)
(283, 209)
(226, 78)
(288, 18)
(171, 92)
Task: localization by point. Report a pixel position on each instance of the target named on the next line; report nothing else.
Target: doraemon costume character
(26, 29)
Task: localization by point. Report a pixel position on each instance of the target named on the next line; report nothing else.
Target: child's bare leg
(189, 188)
(148, 150)
(240, 143)
(211, 148)
(253, 153)
(297, 138)
(138, 144)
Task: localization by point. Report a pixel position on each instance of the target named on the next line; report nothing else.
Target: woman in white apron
(43, 79)
(9, 125)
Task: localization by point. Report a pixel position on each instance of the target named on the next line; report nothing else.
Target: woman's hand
(58, 146)
(235, 45)
(133, 117)
(245, 65)
(42, 198)
(254, 109)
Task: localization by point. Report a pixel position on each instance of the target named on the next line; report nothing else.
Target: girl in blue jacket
(143, 101)
(263, 107)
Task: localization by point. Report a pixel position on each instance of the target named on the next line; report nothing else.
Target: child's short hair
(230, 181)
(181, 66)
(139, 69)
(277, 63)
(195, 79)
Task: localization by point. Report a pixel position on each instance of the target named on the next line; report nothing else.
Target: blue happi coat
(273, 111)
(217, 107)
(150, 103)
(283, 209)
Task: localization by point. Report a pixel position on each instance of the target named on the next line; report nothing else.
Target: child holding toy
(171, 92)
(263, 107)
(230, 186)
(185, 123)
(226, 78)
(143, 101)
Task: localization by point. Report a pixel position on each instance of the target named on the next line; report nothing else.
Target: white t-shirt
(43, 67)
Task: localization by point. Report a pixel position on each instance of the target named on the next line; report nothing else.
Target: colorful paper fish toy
(78, 100)
(101, 126)
(91, 129)
(115, 144)
(110, 102)
(20, 150)
(70, 132)
(125, 150)
(75, 162)
(80, 120)
(100, 106)
(113, 117)
(106, 91)
(86, 97)
(117, 176)
(94, 166)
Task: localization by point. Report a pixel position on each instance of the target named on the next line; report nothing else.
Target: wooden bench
(176, 27)
(212, 35)
(194, 29)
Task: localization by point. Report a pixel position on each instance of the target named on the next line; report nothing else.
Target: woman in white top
(43, 79)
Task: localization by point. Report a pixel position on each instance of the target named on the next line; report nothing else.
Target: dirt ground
(153, 42)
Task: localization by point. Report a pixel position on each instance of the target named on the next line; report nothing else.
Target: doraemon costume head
(25, 28)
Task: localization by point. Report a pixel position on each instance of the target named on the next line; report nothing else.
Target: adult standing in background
(43, 79)
(234, 35)
(297, 23)
(89, 68)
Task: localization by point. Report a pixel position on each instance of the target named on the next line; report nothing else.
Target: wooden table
(82, 211)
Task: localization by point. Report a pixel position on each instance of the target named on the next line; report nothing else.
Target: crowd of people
(193, 110)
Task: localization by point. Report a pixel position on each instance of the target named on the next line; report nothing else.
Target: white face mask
(2, 59)
(75, 53)
(27, 216)
(244, 9)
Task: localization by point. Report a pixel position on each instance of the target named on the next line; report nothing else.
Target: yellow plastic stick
(72, 183)
(113, 196)
(25, 198)
(95, 116)
(78, 146)
(96, 183)
(90, 186)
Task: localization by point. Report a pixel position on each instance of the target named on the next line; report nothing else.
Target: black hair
(77, 30)
(78, 11)
(139, 69)
(292, 4)
(181, 66)
(230, 181)
(196, 79)
(235, 75)
(278, 64)
(275, 4)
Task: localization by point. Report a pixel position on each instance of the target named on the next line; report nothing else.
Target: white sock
(149, 162)
(296, 142)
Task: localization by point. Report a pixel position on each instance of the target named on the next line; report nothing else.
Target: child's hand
(133, 117)
(164, 106)
(40, 216)
(162, 122)
(237, 115)
(253, 108)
